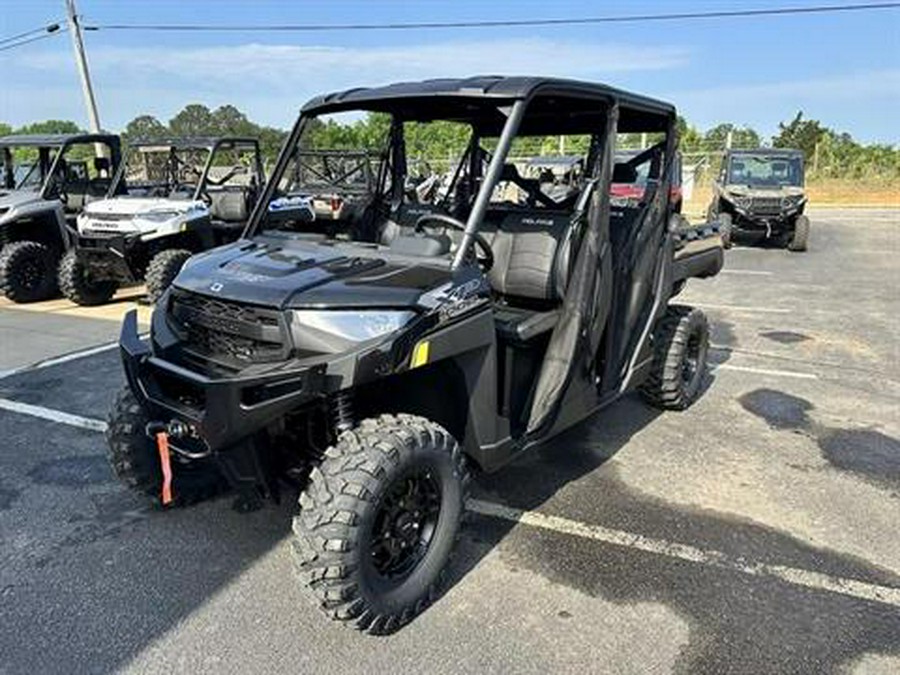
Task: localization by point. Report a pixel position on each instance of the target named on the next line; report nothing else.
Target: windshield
(21, 169)
(161, 171)
(765, 170)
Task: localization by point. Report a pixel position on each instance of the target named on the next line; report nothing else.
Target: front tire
(679, 362)
(135, 461)
(77, 284)
(162, 270)
(800, 237)
(27, 272)
(379, 520)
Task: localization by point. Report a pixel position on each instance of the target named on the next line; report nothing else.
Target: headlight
(352, 325)
(159, 216)
(743, 202)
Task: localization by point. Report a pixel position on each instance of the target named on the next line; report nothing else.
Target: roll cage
(619, 276)
(175, 164)
(51, 151)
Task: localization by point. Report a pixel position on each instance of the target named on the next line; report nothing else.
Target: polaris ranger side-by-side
(170, 199)
(47, 180)
(448, 336)
(759, 196)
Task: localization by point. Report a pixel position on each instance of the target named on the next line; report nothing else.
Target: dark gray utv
(47, 181)
(759, 197)
(445, 337)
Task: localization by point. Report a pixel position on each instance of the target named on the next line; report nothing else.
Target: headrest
(624, 173)
(510, 173)
(101, 164)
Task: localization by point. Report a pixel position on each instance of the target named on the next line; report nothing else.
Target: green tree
(50, 127)
(5, 129)
(145, 126)
(194, 120)
(800, 134)
(741, 137)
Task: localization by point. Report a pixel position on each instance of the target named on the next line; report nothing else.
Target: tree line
(829, 153)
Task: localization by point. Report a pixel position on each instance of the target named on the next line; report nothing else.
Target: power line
(634, 18)
(58, 31)
(50, 28)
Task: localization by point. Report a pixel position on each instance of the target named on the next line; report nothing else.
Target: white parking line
(744, 308)
(56, 360)
(53, 415)
(796, 576)
(764, 371)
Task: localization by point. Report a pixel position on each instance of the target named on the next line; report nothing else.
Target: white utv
(170, 200)
(45, 182)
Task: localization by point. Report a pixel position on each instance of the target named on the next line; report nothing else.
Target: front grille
(766, 205)
(110, 217)
(229, 332)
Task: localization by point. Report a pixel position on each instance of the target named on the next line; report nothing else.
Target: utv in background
(630, 179)
(447, 337)
(47, 180)
(759, 197)
(339, 183)
(170, 199)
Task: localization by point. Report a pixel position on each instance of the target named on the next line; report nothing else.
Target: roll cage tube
(491, 178)
(284, 156)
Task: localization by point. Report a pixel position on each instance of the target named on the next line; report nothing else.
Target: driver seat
(399, 232)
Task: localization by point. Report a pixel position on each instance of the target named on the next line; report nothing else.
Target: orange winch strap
(165, 461)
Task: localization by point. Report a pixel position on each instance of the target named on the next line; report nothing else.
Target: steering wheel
(485, 261)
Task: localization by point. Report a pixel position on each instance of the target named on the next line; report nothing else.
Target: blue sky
(843, 68)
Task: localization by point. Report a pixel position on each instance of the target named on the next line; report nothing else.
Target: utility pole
(81, 61)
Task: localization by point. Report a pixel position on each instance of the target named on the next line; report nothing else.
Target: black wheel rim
(691, 364)
(405, 524)
(30, 273)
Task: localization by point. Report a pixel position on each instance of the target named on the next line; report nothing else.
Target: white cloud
(848, 101)
(288, 65)
(270, 82)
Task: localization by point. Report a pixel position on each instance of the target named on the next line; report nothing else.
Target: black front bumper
(222, 411)
(114, 255)
(763, 225)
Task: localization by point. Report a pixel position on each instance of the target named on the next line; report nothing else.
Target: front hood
(303, 274)
(132, 206)
(10, 199)
(746, 191)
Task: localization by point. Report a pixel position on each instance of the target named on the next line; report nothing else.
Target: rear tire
(135, 460)
(162, 270)
(77, 285)
(725, 226)
(379, 520)
(800, 236)
(679, 363)
(27, 272)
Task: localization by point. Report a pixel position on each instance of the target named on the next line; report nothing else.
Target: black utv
(47, 181)
(759, 197)
(448, 337)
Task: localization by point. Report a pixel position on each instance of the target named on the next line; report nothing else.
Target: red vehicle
(629, 182)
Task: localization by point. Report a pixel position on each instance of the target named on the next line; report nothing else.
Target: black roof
(192, 142)
(54, 140)
(467, 99)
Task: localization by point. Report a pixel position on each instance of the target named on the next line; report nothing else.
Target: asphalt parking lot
(755, 532)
